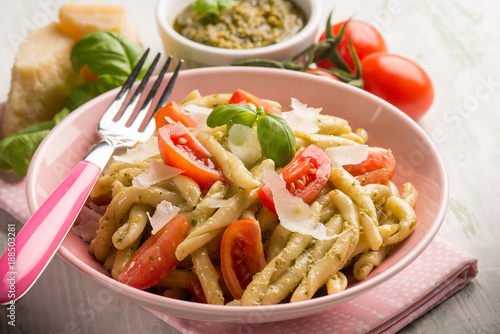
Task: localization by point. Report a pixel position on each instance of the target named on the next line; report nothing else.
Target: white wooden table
(456, 41)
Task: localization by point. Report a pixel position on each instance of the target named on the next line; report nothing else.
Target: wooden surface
(456, 41)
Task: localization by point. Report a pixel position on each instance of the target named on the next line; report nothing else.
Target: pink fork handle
(40, 238)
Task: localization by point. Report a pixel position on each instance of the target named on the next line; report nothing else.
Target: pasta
(359, 221)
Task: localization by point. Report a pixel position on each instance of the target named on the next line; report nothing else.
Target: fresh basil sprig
(275, 136)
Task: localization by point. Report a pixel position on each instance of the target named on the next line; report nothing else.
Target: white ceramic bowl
(199, 55)
(418, 162)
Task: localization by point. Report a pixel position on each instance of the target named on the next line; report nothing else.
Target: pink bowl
(418, 162)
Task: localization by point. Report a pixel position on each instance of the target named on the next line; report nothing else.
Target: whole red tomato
(399, 81)
(364, 38)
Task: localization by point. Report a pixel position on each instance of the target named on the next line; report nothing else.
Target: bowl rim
(310, 28)
(198, 311)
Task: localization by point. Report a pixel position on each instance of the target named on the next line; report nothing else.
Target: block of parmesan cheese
(78, 20)
(41, 77)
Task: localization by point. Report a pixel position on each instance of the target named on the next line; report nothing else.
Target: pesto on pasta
(202, 213)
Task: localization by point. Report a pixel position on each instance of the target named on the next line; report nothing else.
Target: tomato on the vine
(364, 38)
(399, 81)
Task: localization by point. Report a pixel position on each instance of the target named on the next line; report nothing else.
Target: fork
(40, 238)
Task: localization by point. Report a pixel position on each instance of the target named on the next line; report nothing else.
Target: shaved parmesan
(302, 117)
(244, 143)
(142, 151)
(347, 155)
(87, 224)
(293, 213)
(197, 113)
(164, 213)
(156, 172)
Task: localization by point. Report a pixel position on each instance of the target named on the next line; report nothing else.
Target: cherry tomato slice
(241, 255)
(196, 290)
(155, 259)
(377, 168)
(304, 176)
(174, 112)
(241, 97)
(399, 81)
(179, 148)
(364, 38)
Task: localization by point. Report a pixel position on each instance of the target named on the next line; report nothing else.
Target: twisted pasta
(363, 222)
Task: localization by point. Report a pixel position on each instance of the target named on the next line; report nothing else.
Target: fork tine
(165, 96)
(149, 99)
(118, 101)
(170, 86)
(124, 118)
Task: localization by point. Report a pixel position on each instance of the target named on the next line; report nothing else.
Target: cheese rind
(78, 20)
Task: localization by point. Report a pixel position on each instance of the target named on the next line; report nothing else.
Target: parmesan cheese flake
(294, 214)
(302, 118)
(140, 152)
(87, 223)
(197, 113)
(347, 155)
(164, 213)
(156, 172)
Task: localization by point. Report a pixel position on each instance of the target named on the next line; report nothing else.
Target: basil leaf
(106, 53)
(214, 7)
(243, 118)
(276, 139)
(232, 114)
(84, 93)
(60, 115)
(17, 149)
(112, 81)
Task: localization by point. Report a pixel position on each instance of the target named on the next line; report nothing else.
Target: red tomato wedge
(241, 255)
(377, 168)
(155, 259)
(304, 176)
(179, 148)
(242, 97)
(174, 112)
(196, 290)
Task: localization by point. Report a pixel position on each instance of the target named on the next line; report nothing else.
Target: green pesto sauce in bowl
(250, 24)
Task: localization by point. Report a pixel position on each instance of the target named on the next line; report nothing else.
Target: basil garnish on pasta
(275, 136)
